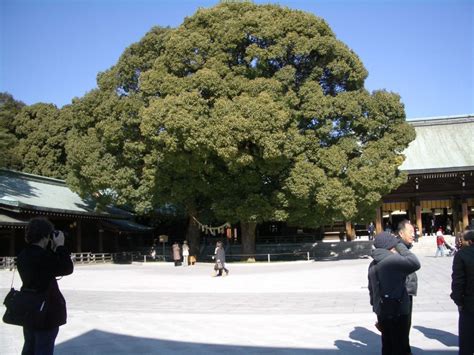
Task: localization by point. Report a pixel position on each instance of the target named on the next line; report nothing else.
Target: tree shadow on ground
(444, 337)
(100, 342)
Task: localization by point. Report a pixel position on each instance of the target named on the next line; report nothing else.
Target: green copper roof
(27, 191)
(441, 145)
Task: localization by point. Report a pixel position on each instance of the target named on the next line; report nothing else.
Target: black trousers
(394, 335)
(466, 331)
(39, 342)
(220, 271)
(408, 326)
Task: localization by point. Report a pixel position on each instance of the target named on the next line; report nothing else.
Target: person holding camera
(387, 276)
(44, 258)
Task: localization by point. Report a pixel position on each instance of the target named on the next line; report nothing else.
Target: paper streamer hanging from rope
(211, 230)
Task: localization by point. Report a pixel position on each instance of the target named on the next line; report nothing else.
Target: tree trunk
(192, 236)
(350, 231)
(248, 240)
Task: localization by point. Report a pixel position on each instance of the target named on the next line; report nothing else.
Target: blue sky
(52, 50)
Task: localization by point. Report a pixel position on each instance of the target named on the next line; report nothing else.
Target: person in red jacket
(439, 243)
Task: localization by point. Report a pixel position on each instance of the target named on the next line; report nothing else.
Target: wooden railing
(7, 262)
(90, 258)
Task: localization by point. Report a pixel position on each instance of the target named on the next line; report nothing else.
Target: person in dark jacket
(220, 259)
(406, 234)
(388, 294)
(44, 258)
(462, 292)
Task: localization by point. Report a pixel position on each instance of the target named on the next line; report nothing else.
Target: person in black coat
(462, 292)
(388, 294)
(406, 234)
(220, 259)
(44, 258)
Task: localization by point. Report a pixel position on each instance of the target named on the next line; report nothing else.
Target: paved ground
(278, 308)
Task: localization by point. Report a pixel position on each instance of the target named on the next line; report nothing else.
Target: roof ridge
(437, 121)
(53, 181)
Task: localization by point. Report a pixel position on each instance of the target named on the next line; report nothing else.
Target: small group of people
(181, 257)
(393, 283)
(178, 252)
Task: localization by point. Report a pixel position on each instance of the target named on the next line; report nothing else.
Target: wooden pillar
(378, 220)
(465, 215)
(116, 242)
(11, 246)
(101, 240)
(456, 220)
(411, 210)
(79, 237)
(419, 223)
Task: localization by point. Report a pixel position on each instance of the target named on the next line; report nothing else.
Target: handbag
(26, 307)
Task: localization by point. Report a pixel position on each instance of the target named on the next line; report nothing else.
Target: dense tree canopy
(41, 130)
(106, 149)
(33, 138)
(9, 108)
(245, 113)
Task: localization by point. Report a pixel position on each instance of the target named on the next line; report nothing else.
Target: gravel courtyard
(265, 308)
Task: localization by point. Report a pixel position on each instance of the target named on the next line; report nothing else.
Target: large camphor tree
(33, 138)
(41, 130)
(9, 108)
(246, 112)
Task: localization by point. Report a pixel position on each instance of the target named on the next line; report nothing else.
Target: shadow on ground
(100, 342)
(446, 338)
(368, 342)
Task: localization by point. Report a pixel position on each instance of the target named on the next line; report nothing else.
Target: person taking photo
(44, 258)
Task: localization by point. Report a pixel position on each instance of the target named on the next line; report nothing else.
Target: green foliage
(9, 108)
(123, 78)
(106, 149)
(41, 132)
(243, 113)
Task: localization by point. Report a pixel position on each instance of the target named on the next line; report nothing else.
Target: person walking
(439, 243)
(388, 293)
(220, 259)
(44, 258)
(406, 234)
(185, 253)
(371, 230)
(176, 251)
(462, 292)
